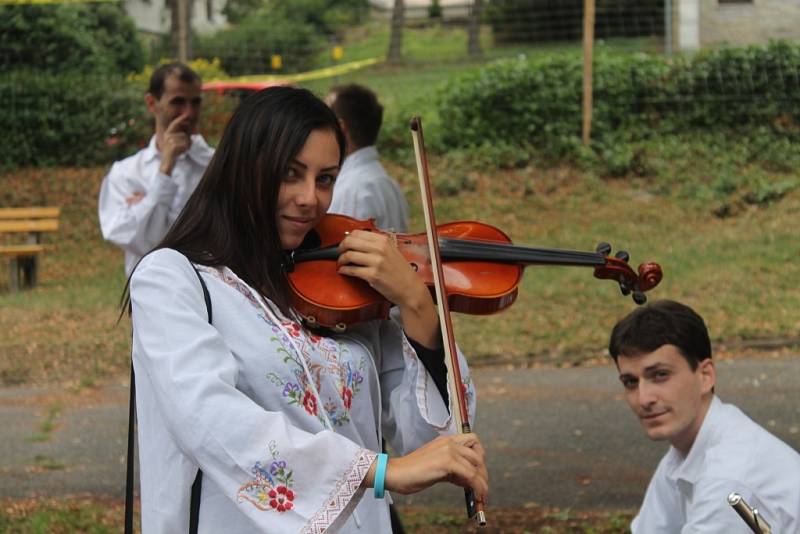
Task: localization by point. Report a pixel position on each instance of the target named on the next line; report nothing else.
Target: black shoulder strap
(197, 486)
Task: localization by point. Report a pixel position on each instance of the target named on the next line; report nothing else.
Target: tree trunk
(395, 54)
(181, 28)
(588, 54)
(474, 30)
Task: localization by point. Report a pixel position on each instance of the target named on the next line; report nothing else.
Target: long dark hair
(230, 218)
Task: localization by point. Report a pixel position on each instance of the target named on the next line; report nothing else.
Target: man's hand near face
(134, 198)
(175, 142)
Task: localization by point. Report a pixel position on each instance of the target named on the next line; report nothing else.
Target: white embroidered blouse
(283, 423)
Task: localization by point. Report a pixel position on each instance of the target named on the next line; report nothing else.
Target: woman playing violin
(284, 422)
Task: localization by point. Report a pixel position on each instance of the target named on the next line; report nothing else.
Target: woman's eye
(326, 179)
(292, 174)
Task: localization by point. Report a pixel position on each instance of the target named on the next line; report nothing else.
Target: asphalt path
(554, 437)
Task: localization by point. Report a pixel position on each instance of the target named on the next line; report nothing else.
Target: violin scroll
(630, 282)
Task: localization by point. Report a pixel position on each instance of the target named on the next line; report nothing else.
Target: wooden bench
(23, 228)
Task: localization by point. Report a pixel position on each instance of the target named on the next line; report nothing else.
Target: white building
(154, 17)
(418, 9)
(700, 23)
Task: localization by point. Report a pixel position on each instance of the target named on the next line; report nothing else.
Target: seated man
(363, 188)
(143, 194)
(663, 355)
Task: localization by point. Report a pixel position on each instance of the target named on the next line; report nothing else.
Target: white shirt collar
(690, 467)
(196, 151)
(151, 151)
(360, 157)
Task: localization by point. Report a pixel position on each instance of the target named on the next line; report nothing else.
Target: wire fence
(501, 23)
(514, 21)
(703, 81)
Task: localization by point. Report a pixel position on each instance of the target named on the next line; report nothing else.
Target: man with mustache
(663, 354)
(143, 194)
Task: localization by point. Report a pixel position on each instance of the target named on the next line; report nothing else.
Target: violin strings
(471, 250)
(463, 249)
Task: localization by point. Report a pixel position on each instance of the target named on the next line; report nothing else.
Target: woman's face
(306, 191)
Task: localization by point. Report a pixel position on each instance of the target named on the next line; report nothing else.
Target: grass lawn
(737, 271)
(66, 329)
(78, 515)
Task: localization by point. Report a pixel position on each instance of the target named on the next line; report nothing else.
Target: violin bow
(454, 384)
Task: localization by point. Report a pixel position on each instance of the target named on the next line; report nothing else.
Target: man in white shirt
(663, 354)
(143, 194)
(363, 188)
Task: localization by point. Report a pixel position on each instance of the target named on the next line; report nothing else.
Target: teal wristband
(380, 474)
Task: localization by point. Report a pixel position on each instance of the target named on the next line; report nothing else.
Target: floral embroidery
(347, 397)
(271, 488)
(295, 330)
(229, 278)
(298, 391)
(310, 403)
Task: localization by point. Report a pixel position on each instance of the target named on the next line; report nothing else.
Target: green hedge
(248, 48)
(63, 119)
(59, 38)
(538, 101)
(63, 84)
(525, 21)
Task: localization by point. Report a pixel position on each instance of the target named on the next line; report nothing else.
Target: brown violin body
(482, 271)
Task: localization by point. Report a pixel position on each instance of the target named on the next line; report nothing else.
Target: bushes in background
(730, 117)
(536, 21)
(248, 47)
(62, 119)
(57, 38)
(63, 82)
(294, 29)
(538, 101)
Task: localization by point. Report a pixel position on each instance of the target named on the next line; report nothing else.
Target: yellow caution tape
(327, 72)
(27, 2)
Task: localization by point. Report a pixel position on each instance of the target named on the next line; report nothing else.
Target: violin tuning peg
(639, 297)
(624, 289)
(623, 255)
(603, 249)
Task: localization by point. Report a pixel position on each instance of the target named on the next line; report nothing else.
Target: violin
(482, 270)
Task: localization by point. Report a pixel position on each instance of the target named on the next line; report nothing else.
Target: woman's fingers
(480, 475)
(455, 459)
(468, 475)
(375, 259)
(473, 467)
(363, 241)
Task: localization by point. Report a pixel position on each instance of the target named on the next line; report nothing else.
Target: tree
(474, 29)
(64, 81)
(395, 54)
(237, 11)
(58, 38)
(181, 30)
(248, 47)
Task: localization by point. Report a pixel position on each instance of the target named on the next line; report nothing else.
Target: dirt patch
(72, 397)
(71, 513)
(516, 521)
